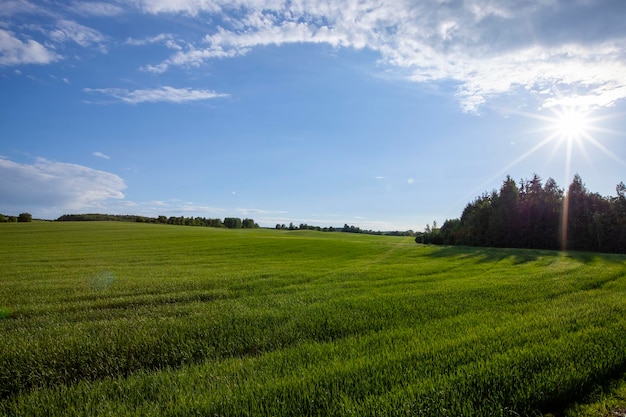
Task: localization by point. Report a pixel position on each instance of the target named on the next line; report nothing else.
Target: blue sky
(380, 114)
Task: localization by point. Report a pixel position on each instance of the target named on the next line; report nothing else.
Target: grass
(138, 319)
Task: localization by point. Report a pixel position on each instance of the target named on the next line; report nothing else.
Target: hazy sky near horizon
(380, 114)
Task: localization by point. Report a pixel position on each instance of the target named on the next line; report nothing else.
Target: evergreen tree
(502, 229)
(577, 216)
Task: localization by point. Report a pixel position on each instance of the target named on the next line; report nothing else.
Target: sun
(575, 127)
(571, 124)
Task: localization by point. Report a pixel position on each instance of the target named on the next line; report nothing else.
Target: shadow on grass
(489, 255)
(520, 256)
(603, 387)
(592, 257)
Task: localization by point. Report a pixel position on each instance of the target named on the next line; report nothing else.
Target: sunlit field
(139, 319)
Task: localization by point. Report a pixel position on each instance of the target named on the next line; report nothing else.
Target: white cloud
(486, 47)
(15, 52)
(163, 94)
(258, 212)
(192, 7)
(166, 207)
(68, 30)
(189, 207)
(606, 98)
(13, 7)
(48, 186)
(193, 57)
(101, 155)
(165, 38)
(95, 8)
(42, 31)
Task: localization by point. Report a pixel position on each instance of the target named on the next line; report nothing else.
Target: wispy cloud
(194, 57)
(101, 155)
(68, 30)
(95, 8)
(13, 51)
(156, 208)
(488, 48)
(192, 7)
(162, 94)
(190, 207)
(165, 38)
(49, 185)
(48, 31)
(13, 7)
(258, 212)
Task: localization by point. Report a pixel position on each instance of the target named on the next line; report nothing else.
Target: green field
(139, 319)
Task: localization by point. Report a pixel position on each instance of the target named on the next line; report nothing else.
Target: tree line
(304, 226)
(538, 215)
(21, 218)
(354, 229)
(228, 222)
(346, 229)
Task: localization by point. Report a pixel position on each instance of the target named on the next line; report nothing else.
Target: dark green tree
(25, 218)
(450, 232)
(577, 217)
(553, 200)
(248, 224)
(233, 223)
(504, 215)
(475, 221)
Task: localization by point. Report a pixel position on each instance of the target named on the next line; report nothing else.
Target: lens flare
(101, 281)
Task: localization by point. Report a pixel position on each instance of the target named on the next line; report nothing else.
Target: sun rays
(570, 130)
(574, 129)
